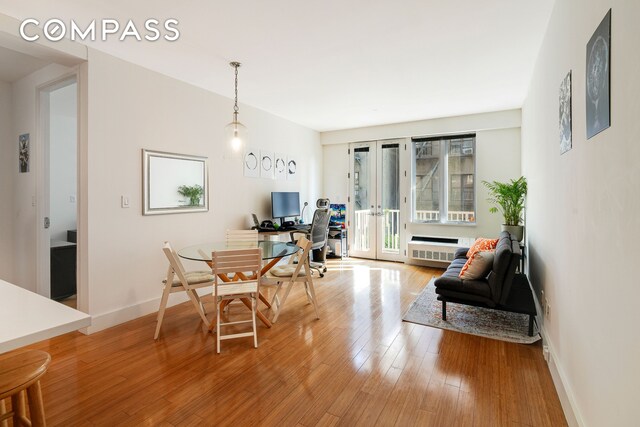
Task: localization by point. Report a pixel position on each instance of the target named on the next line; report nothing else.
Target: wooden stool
(20, 371)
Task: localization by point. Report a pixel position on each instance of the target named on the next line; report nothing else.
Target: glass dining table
(272, 251)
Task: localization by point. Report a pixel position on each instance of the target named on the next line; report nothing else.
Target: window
(444, 179)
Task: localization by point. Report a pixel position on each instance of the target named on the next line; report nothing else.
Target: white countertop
(26, 317)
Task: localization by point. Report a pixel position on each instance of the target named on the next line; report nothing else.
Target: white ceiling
(15, 65)
(335, 64)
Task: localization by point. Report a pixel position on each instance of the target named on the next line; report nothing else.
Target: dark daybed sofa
(502, 289)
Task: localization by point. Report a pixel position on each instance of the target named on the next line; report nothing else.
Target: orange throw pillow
(478, 266)
(482, 244)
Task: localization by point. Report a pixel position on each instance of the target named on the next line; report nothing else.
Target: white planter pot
(516, 230)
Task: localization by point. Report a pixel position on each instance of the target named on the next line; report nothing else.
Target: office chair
(318, 235)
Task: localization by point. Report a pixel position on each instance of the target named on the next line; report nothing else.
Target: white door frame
(78, 75)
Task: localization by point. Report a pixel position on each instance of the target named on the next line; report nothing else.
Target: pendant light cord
(235, 107)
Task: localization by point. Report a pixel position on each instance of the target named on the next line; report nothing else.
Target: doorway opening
(377, 211)
(58, 188)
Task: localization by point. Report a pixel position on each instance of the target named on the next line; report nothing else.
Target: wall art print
(565, 114)
(292, 168)
(267, 165)
(252, 163)
(24, 153)
(598, 78)
(280, 166)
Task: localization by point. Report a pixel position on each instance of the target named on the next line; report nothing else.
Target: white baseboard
(565, 393)
(112, 318)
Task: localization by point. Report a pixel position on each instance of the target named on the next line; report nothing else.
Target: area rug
(495, 324)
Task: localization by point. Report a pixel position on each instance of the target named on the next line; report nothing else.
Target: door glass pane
(427, 181)
(390, 197)
(461, 167)
(361, 198)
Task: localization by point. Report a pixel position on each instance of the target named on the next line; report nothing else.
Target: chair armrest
(461, 253)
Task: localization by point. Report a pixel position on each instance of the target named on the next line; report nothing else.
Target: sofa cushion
(455, 267)
(504, 262)
(461, 298)
(482, 244)
(478, 266)
(450, 281)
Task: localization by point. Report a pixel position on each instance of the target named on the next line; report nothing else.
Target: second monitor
(285, 204)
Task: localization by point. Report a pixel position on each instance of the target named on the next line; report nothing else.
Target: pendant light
(236, 132)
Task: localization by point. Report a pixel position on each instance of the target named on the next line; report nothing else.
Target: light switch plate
(124, 200)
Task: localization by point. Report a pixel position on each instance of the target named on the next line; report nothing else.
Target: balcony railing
(452, 216)
(391, 230)
(361, 230)
(391, 226)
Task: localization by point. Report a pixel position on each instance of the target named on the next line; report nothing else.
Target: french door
(377, 206)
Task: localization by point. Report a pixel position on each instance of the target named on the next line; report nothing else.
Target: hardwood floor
(358, 365)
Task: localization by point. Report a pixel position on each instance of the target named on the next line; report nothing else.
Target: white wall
(582, 216)
(25, 197)
(63, 160)
(497, 158)
(132, 108)
(8, 166)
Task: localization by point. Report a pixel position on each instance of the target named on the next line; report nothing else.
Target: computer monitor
(285, 204)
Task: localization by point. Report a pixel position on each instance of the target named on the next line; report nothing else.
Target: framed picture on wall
(252, 163)
(267, 165)
(24, 153)
(280, 166)
(565, 114)
(292, 168)
(598, 78)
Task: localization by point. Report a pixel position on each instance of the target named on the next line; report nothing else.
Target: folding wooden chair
(292, 273)
(242, 236)
(179, 280)
(249, 262)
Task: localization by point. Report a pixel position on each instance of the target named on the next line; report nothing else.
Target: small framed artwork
(266, 164)
(292, 168)
(565, 114)
(598, 78)
(252, 164)
(280, 166)
(24, 153)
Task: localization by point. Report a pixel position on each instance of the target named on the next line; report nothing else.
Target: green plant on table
(193, 192)
(508, 198)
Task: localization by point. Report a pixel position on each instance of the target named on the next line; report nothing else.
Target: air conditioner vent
(438, 249)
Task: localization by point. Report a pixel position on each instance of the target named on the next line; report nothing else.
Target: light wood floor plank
(359, 364)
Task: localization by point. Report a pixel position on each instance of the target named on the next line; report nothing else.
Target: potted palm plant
(508, 198)
(193, 193)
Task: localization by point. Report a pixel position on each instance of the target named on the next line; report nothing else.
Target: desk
(289, 231)
(271, 250)
(26, 317)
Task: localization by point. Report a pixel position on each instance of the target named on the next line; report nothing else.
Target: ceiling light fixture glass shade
(236, 132)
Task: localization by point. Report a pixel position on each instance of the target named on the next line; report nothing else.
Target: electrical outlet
(545, 352)
(547, 311)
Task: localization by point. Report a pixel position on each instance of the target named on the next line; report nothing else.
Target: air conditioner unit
(436, 249)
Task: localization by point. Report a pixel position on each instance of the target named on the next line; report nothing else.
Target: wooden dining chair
(179, 280)
(241, 236)
(292, 273)
(249, 262)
